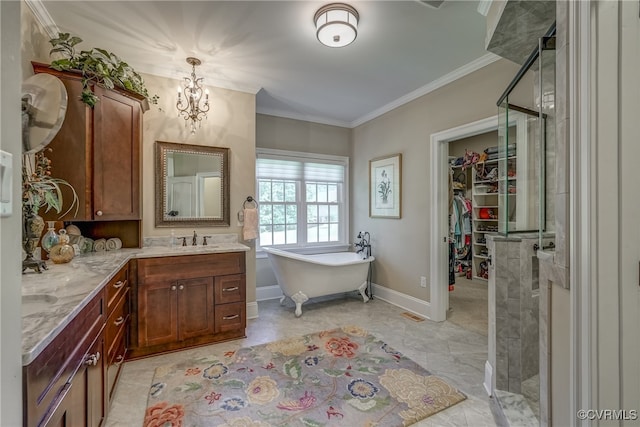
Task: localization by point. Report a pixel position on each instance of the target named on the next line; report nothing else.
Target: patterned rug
(341, 377)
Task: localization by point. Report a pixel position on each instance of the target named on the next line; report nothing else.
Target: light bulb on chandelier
(189, 106)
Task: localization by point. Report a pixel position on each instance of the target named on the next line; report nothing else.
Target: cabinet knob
(119, 321)
(99, 213)
(92, 359)
(173, 288)
(181, 287)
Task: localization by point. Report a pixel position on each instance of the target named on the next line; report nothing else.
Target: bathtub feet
(299, 298)
(284, 297)
(363, 292)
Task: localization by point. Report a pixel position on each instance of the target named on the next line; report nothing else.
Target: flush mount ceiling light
(193, 91)
(336, 24)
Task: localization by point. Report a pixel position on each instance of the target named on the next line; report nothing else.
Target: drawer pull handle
(118, 284)
(235, 288)
(119, 321)
(92, 359)
(119, 360)
(235, 316)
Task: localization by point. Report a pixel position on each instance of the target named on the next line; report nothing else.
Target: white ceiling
(403, 49)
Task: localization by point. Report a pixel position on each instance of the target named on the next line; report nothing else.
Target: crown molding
(42, 16)
(456, 74)
(303, 117)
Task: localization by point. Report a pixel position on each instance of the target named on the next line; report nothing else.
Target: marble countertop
(64, 289)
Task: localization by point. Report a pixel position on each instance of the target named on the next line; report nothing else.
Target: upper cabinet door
(116, 158)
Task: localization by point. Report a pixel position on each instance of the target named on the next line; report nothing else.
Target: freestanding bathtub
(307, 276)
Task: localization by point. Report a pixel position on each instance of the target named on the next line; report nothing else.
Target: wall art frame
(385, 187)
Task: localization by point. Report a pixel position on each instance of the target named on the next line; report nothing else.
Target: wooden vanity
(152, 304)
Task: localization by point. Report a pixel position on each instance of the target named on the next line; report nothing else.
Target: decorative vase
(50, 238)
(32, 226)
(62, 252)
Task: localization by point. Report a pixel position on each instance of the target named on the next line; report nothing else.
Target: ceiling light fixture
(189, 106)
(336, 24)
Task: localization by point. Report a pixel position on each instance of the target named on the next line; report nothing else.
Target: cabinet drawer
(117, 286)
(230, 288)
(230, 317)
(115, 358)
(190, 266)
(117, 319)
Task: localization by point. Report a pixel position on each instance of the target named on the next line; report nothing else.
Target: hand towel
(250, 229)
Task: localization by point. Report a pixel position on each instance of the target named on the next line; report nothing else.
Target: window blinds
(299, 169)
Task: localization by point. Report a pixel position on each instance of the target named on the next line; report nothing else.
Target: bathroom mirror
(192, 185)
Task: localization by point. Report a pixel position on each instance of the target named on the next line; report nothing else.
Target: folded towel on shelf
(113, 244)
(100, 245)
(250, 228)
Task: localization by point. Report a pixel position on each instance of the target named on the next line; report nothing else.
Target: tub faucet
(194, 240)
(363, 245)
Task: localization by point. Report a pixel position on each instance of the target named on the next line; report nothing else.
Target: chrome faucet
(194, 240)
(364, 245)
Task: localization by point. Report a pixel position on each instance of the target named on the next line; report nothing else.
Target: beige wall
(475, 143)
(231, 123)
(401, 246)
(296, 135)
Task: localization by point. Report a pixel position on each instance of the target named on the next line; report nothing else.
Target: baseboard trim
(252, 310)
(488, 374)
(407, 302)
(264, 293)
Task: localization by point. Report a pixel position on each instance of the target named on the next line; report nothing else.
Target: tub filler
(308, 276)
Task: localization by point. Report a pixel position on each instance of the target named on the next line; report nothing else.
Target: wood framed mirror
(192, 185)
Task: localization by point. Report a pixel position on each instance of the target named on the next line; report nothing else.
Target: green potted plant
(97, 66)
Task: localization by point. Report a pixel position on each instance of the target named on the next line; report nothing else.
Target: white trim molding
(581, 282)
(252, 310)
(43, 17)
(404, 301)
(456, 74)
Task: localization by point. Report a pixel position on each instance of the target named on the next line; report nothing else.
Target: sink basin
(36, 303)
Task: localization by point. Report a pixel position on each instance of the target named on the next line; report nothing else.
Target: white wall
(10, 227)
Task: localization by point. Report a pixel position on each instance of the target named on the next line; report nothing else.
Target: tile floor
(448, 350)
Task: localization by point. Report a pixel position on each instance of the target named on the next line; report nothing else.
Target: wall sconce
(189, 105)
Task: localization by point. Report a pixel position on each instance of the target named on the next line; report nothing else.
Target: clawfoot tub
(307, 276)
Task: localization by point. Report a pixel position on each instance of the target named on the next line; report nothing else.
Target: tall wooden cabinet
(97, 151)
(182, 301)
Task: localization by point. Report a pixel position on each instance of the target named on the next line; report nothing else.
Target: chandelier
(189, 106)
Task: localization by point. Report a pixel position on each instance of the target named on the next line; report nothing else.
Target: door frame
(439, 202)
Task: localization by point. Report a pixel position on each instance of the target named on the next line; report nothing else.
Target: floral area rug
(341, 377)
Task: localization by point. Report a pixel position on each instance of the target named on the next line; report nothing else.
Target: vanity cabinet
(97, 151)
(183, 301)
(71, 381)
(64, 384)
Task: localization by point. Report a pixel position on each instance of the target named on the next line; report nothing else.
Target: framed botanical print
(385, 186)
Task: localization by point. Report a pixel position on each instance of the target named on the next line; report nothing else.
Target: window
(302, 198)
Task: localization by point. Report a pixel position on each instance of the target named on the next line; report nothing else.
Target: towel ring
(249, 200)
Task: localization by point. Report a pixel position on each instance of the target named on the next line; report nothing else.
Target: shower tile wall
(516, 287)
